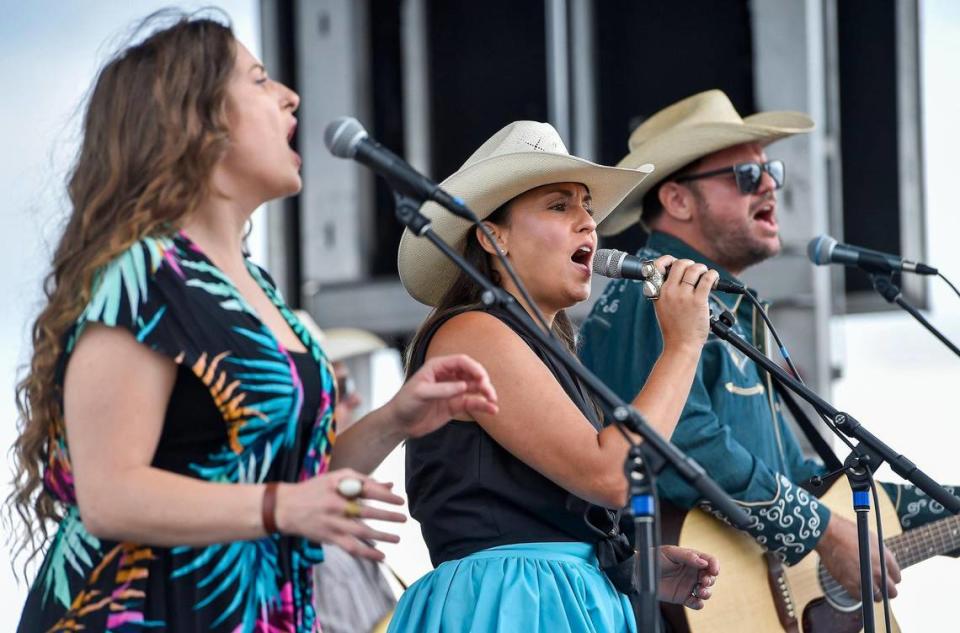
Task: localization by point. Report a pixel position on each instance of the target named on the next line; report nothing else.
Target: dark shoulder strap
(819, 444)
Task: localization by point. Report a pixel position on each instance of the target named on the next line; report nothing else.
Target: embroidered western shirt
(731, 423)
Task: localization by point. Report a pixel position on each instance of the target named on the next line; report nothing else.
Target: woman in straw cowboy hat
(514, 505)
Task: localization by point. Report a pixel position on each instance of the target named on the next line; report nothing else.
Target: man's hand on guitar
(686, 576)
(838, 551)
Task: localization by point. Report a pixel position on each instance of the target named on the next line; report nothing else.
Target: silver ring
(693, 592)
(350, 487)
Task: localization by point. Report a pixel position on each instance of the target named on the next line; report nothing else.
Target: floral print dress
(172, 298)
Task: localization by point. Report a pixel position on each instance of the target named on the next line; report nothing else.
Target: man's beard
(734, 247)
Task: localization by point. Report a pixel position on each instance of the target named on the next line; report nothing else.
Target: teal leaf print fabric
(258, 423)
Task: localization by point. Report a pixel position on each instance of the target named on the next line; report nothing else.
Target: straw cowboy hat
(690, 129)
(520, 157)
(341, 343)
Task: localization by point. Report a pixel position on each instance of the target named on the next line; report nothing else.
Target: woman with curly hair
(176, 420)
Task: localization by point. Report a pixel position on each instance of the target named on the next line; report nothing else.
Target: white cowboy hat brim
(347, 342)
(682, 145)
(485, 186)
(341, 343)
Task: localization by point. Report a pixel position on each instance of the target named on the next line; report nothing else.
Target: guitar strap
(761, 341)
(830, 460)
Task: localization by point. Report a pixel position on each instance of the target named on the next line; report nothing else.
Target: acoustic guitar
(757, 593)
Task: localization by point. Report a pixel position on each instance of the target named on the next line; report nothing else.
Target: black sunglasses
(748, 175)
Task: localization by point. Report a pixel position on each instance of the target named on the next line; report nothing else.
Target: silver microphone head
(342, 136)
(820, 248)
(607, 262)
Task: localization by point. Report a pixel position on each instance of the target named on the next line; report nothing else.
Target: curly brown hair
(154, 126)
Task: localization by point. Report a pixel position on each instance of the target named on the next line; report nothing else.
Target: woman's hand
(316, 510)
(682, 309)
(444, 388)
(686, 576)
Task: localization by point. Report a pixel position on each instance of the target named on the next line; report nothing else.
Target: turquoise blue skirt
(528, 587)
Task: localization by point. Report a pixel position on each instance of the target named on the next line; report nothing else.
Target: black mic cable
(954, 288)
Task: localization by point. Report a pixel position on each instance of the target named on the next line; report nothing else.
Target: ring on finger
(693, 592)
(352, 509)
(350, 487)
(684, 281)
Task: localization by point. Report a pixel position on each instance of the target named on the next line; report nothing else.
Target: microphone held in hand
(346, 138)
(825, 250)
(616, 264)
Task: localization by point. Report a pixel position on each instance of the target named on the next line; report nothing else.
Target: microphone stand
(650, 456)
(642, 506)
(891, 292)
(867, 456)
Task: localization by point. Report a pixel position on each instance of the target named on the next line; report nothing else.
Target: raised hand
(445, 387)
(682, 310)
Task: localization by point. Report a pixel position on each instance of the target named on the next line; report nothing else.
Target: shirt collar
(673, 245)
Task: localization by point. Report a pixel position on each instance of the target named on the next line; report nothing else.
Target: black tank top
(469, 493)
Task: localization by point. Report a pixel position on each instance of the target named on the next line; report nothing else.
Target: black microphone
(346, 138)
(825, 250)
(615, 264)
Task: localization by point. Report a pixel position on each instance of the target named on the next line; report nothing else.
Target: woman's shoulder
(473, 321)
(477, 332)
(141, 259)
(127, 280)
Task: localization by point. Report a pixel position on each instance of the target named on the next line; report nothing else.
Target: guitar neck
(933, 539)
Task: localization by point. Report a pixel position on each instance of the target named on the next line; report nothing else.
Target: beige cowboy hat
(341, 343)
(520, 157)
(690, 129)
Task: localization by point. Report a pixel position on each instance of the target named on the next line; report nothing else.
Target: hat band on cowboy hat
(687, 131)
(520, 157)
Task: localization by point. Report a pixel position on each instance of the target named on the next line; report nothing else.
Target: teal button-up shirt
(731, 423)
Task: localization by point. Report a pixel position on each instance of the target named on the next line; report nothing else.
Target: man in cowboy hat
(712, 198)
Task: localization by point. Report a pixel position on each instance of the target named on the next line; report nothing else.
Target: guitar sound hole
(834, 592)
(821, 617)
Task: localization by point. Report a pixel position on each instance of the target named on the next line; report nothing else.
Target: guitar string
(831, 584)
(937, 530)
(923, 542)
(930, 540)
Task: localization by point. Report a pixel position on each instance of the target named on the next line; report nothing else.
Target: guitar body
(745, 599)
